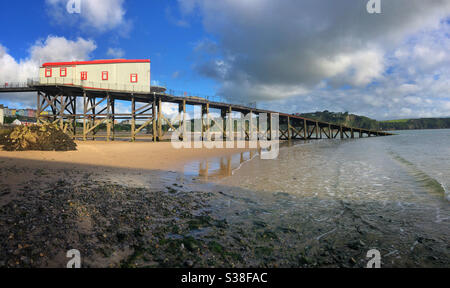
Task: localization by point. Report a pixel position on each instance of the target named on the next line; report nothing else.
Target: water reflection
(218, 167)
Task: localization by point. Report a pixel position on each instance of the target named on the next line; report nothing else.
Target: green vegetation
(409, 124)
(352, 120)
(345, 119)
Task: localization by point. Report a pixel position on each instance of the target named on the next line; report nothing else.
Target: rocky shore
(166, 220)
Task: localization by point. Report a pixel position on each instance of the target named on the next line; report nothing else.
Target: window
(63, 72)
(134, 78)
(83, 75)
(105, 75)
(48, 72)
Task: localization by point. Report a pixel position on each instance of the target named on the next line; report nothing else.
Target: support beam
(230, 123)
(183, 124)
(113, 112)
(305, 130)
(317, 130)
(133, 118)
(155, 135)
(74, 117)
(85, 102)
(159, 119)
(208, 123)
(108, 123)
(289, 128)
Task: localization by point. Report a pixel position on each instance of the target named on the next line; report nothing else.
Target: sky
(292, 56)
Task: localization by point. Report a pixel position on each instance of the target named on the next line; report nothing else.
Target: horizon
(309, 56)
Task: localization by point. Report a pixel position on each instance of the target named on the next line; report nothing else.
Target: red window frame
(63, 72)
(83, 76)
(105, 75)
(135, 76)
(48, 72)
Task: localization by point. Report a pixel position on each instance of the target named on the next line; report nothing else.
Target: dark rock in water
(48, 137)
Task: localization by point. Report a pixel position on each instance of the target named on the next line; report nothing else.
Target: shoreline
(154, 217)
(137, 155)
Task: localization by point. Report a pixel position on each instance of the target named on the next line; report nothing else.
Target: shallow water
(397, 188)
(412, 166)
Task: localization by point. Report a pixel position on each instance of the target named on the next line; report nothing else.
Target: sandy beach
(133, 205)
(139, 155)
(104, 199)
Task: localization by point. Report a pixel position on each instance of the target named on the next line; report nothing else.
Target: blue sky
(153, 36)
(288, 55)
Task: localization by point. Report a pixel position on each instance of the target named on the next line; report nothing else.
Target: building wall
(119, 75)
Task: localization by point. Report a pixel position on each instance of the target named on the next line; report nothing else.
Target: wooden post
(341, 132)
(184, 121)
(61, 112)
(39, 107)
(154, 119)
(203, 122)
(223, 115)
(305, 129)
(258, 119)
(230, 123)
(159, 119)
(289, 127)
(250, 126)
(207, 124)
(93, 116)
(353, 133)
(317, 130)
(108, 123)
(133, 118)
(113, 112)
(270, 127)
(85, 116)
(74, 123)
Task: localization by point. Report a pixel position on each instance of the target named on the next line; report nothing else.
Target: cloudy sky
(287, 55)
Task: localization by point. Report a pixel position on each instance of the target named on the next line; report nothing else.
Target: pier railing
(30, 83)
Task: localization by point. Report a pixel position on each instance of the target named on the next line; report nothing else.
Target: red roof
(94, 62)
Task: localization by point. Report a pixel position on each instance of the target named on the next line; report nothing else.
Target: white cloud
(49, 50)
(60, 49)
(328, 54)
(100, 15)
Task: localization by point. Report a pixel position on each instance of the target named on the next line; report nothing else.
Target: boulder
(47, 137)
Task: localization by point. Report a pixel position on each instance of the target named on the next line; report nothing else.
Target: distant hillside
(345, 119)
(409, 124)
(367, 123)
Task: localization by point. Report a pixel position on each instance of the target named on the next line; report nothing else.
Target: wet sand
(139, 155)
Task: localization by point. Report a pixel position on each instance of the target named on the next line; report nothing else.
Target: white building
(118, 74)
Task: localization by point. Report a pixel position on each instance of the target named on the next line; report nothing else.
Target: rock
(48, 137)
(189, 263)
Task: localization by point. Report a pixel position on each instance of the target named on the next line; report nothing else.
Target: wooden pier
(99, 107)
